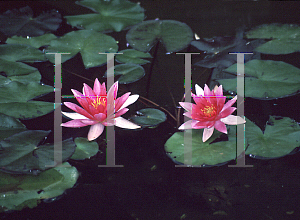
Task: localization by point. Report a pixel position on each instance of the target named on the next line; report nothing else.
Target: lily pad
(19, 191)
(265, 79)
(84, 149)
(20, 52)
(129, 73)
(15, 102)
(203, 153)
(280, 137)
(110, 15)
(149, 117)
(36, 42)
(174, 35)
(132, 56)
(88, 43)
(21, 153)
(285, 38)
(9, 126)
(21, 22)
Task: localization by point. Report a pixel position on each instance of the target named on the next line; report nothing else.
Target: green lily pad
(9, 126)
(281, 137)
(132, 56)
(110, 15)
(19, 191)
(129, 73)
(21, 153)
(285, 38)
(149, 117)
(203, 153)
(265, 79)
(174, 35)
(36, 42)
(21, 22)
(84, 149)
(15, 102)
(20, 52)
(88, 43)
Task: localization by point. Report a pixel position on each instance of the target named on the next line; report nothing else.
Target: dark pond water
(149, 186)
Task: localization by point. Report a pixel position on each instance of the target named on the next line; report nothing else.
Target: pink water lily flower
(96, 109)
(209, 112)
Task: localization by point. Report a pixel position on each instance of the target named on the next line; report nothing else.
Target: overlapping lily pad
(203, 153)
(280, 137)
(20, 52)
(19, 191)
(129, 73)
(132, 56)
(149, 117)
(84, 149)
(285, 38)
(89, 43)
(21, 152)
(32, 41)
(266, 79)
(21, 22)
(174, 35)
(9, 126)
(16, 103)
(110, 15)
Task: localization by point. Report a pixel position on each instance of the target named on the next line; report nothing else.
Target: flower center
(209, 111)
(100, 100)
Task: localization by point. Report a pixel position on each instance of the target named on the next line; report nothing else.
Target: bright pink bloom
(99, 109)
(209, 112)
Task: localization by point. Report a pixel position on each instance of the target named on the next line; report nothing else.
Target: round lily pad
(109, 15)
(285, 38)
(32, 41)
(203, 153)
(174, 35)
(280, 137)
(84, 149)
(129, 73)
(132, 56)
(149, 117)
(265, 79)
(89, 43)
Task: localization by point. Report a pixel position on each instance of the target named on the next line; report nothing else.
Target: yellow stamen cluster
(100, 100)
(209, 110)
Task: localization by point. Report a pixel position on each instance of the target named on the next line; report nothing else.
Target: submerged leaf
(149, 117)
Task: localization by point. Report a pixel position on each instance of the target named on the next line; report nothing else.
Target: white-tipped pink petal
(74, 115)
(95, 131)
(186, 105)
(131, 99)
(74, 124)
(123, 123)
(186, 125)
(207, 133)
(97, 87)
(233, 120)
(199, 90)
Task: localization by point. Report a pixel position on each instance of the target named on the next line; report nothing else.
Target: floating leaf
(129, 73)
(15, 102)
(36, 42)
(21, 153)
(266, 79)
(88, 43)
(149, 117)
(132, 56)
(281, 137)
(285, 38)
(203, 153)
(20, 52)
(84, 149)
(19, 191)
(174, 35)
(21, 22)
(9, 126)
(110, 15)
